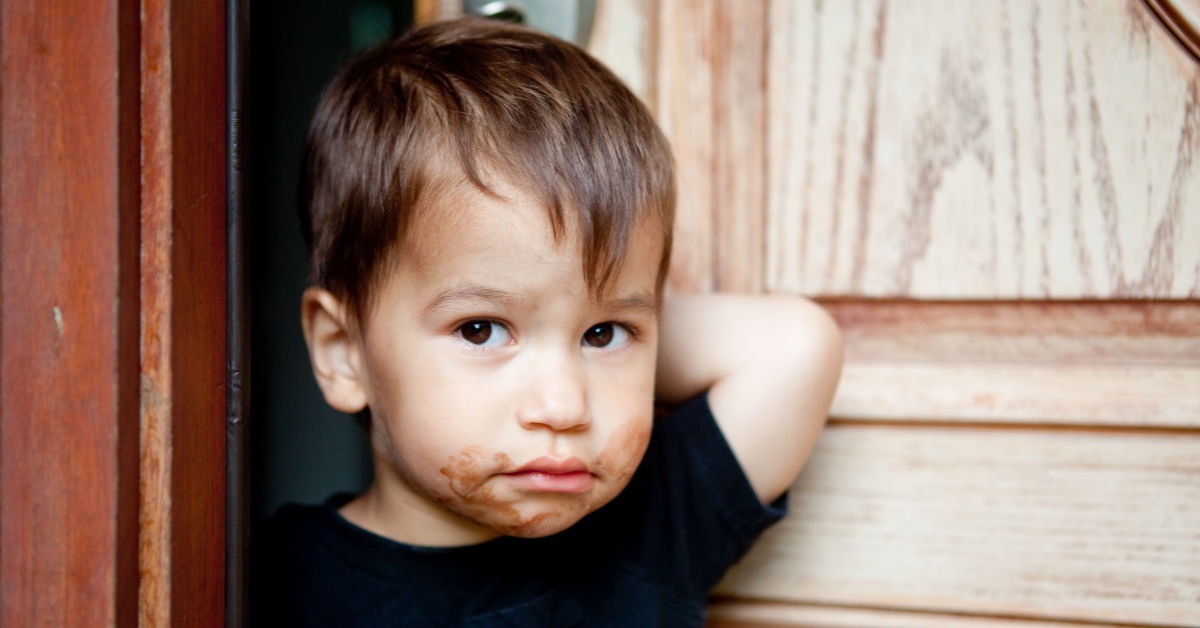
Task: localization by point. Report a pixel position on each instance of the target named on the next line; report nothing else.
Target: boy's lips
(549, 475)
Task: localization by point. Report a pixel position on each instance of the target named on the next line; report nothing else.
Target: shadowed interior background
(302, 449)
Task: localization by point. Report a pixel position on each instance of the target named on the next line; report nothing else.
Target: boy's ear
(335, 350)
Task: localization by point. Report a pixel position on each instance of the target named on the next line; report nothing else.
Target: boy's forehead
(457, 214)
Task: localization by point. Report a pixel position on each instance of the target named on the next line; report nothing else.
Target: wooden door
(1000, 203)
(112, 293)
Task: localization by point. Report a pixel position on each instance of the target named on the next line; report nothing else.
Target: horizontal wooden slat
(1109, 332)
(1132, 364)
(1023, 523)
(740, 614)
(1115, 395)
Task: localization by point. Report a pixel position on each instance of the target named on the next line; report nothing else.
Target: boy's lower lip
(545, 482)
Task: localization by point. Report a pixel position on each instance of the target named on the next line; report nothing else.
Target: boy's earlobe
(334, 350)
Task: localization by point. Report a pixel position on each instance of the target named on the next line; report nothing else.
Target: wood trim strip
(182, 553)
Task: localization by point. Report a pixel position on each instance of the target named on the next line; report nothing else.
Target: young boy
(489, 212)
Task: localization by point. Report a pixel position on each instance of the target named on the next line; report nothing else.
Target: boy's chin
(539, 524)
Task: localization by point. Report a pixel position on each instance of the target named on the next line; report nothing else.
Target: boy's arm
(771, 365)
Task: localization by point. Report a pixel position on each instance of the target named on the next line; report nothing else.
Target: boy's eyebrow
(469, 292)
(474, 292)
(639, 301)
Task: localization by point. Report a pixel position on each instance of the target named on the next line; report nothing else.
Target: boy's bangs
(606, 209)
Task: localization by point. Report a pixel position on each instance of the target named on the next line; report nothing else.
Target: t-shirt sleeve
(701, 514)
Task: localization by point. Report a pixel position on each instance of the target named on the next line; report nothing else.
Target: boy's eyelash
(634, 332)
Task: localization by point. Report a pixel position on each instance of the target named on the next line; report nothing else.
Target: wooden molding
(1182, 18)
(1113, 364)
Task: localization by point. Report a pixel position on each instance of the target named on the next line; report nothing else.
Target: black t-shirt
(648, 558)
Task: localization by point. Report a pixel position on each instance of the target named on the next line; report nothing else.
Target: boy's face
(504, 398)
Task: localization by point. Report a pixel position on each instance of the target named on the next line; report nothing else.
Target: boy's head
(489, 212)
(482, 102)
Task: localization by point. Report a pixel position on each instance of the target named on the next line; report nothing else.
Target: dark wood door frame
(112, 312)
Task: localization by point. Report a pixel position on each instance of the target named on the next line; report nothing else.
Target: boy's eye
(484, 333)
(606, 335)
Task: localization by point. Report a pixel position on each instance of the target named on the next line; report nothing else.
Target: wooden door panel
(975, 192)
(1096, 526)
(1014, 150)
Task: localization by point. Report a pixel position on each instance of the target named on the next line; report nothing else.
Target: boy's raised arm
(771, 365)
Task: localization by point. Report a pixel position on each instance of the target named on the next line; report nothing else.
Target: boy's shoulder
(685, 517)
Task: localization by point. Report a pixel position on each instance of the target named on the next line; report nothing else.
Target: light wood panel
(622, 36)
(741, 614)
(1069, 525)
(1047, 363)
(995, 150)
(739, 123)
(685, 98)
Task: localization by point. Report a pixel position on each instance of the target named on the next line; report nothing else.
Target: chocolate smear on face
(624, 450)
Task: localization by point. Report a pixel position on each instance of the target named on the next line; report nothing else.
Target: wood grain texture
(183, 314)
(742, 614)
(1069, 525)
(1008, 150)
(621, 37)
(739, 101)
(1113, 364)
(685, 98)
(1012, 150)
(68, 383)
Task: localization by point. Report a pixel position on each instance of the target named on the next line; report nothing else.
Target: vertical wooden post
(69, 303)
(112, 312)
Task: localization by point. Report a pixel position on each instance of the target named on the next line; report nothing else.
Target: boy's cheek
(624, 449)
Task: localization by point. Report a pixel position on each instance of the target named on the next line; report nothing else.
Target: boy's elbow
(795, 377)
(812, 350)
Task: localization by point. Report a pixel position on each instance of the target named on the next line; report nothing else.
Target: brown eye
(608, 336)
(476, 332)
(599, 336)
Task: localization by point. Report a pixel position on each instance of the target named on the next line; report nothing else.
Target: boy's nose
(555, 397)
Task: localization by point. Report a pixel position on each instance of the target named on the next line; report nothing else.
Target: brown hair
(488, 97)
